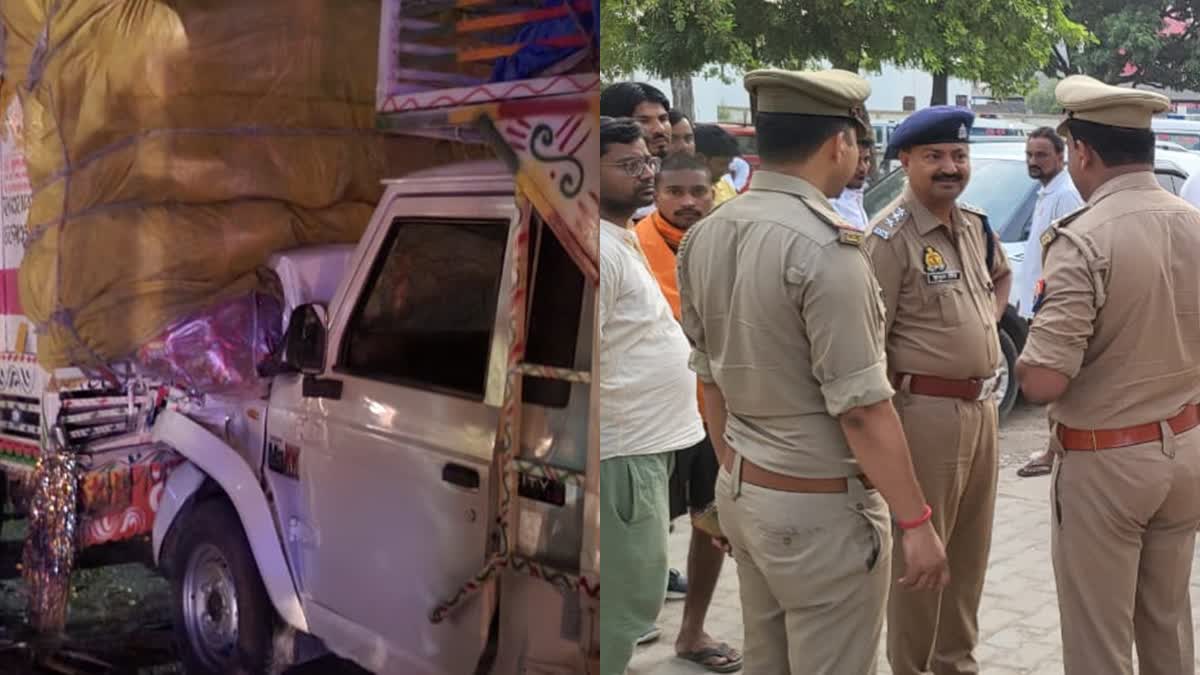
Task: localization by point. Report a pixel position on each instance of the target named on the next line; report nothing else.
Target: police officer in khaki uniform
(787, 332)
(1115, 346)
(945, 283)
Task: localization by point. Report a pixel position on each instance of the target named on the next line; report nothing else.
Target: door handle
(462, 476)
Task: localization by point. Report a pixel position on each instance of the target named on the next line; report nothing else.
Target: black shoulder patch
(847, 233)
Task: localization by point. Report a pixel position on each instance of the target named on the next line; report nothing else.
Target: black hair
(676, 117)
(620, 130)
(787, 137)
(623, 98)
(681, 161)
(1050, 135)
(1116, 146)
(713, 141)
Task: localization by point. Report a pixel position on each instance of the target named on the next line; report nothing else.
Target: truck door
(395, 440)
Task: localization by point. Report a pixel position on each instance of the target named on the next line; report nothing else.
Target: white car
(1001, 185)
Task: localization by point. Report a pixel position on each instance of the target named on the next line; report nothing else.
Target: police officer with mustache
(945, 284)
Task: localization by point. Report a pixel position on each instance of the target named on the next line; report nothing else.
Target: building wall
(888, 89)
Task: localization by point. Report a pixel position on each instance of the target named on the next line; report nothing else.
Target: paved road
(1019, 622)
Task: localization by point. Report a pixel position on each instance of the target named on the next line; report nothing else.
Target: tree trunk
(681, 96)
(941, 89)
(850, 64)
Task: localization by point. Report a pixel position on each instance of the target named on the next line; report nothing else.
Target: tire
(1008, 389)
(224, 621)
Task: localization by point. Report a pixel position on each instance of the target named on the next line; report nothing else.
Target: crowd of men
(818, 392)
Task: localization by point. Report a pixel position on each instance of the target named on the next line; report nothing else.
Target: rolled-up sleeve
(1064, 323)
(689, 318)
(844, 321)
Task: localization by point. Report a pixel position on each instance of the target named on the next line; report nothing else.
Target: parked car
(1001, 185)
(1182, 131)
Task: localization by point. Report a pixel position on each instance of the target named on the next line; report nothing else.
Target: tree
(1002, 43)
(1041, 100)
(999, 42)
(1150, 42)
(676, 39)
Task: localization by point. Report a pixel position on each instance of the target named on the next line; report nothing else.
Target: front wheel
(224, 620)
(1008, 388)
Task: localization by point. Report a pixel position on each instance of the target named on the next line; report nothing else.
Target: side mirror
(304, 342)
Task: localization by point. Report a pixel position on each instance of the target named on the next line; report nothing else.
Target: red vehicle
(747, 142)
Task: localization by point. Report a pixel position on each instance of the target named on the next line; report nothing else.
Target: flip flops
(1036, 466)
(700, 657)
(651, 635)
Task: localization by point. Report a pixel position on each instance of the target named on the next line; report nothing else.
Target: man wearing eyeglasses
(647, 402)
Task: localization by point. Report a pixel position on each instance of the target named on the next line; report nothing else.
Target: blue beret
(936, 124)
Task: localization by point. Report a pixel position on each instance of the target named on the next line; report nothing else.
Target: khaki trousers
(813, 571)
(1123, 527)
(954, 447)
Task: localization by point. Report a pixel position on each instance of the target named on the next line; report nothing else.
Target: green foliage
(1041, 99)
(1130, 32)
(1000, 42)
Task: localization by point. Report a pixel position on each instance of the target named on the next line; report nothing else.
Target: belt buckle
(987, 388)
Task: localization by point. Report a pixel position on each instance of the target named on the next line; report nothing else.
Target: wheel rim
(210, 606)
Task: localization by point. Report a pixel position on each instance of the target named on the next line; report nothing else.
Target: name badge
(942, 277)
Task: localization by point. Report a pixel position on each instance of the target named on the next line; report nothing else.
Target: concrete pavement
(1019, 622)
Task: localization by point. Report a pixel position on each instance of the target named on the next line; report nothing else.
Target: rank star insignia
(1048, 236)
(934, 262)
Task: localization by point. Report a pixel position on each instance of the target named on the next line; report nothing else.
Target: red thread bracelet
(914, 524)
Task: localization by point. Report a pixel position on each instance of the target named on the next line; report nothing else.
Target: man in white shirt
(1191, 190)
(647, 402)
(739, 173)
(1045, 157)
(849, 204)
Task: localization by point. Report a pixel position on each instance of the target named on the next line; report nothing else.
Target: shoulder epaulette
(885, 228)
(971, 208)
(1051, 232)
(847, 233)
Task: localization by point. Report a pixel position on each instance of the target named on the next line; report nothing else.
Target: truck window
(426, 316)
(556, 300)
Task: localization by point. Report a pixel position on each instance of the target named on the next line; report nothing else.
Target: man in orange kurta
(683, 195)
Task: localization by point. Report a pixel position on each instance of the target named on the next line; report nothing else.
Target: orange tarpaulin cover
(173, 145)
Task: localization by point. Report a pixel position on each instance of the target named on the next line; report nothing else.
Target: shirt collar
(1057, 183)
(1054, 185)
(614, 228)
(924, 219)
(1139, 180)
(772, 181)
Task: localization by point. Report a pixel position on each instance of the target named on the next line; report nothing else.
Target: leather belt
(1107, 439)
(771, 480)
(973, 389)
